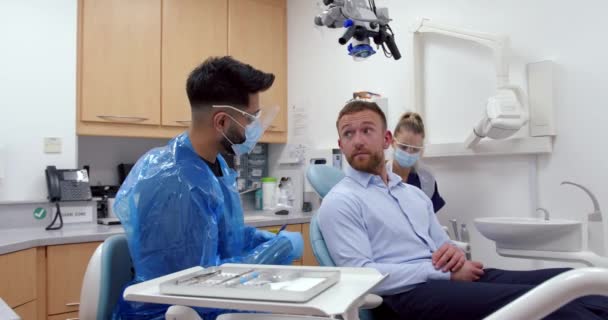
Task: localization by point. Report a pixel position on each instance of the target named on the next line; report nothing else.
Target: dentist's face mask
(407, 155)
(253, 131)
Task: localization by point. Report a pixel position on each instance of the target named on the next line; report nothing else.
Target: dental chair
(109, 269)
(322, 178)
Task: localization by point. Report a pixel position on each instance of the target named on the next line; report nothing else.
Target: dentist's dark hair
(225, 81)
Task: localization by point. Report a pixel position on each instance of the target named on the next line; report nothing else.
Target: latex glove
(297, 243)
(262, 236)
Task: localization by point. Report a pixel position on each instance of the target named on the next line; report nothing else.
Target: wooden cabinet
(120, 62)
(23, 282)
(193, 30)
(28, 311)
(134, 58)
(257, 34)
(66, 265)
(18, 277)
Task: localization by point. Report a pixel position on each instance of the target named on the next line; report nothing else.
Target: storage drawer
(18, 277)
(66, 265)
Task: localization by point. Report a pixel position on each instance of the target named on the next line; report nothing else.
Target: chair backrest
(319, 249)
(109, 269)
(322, 178)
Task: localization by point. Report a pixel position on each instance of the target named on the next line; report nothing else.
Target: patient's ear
(388, 139)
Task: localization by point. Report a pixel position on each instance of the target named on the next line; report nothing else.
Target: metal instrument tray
(268, 284)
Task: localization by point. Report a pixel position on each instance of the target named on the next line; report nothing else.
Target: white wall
(459, 77)
(37, 92)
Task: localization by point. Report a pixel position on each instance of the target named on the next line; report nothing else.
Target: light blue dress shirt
(391, 228)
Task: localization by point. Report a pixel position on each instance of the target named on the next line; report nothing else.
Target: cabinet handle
(272, 126)
(122, 118)
(184, 122)
(72, 304)
(72, 319)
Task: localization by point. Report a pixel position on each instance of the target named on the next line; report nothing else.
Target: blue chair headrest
(322, 178)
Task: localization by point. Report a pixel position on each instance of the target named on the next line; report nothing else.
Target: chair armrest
(554, 293)
(371, 301)
(464, 246)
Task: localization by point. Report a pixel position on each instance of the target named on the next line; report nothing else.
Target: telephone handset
(66, 185)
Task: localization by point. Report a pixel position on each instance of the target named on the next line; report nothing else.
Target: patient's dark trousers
(438, 299)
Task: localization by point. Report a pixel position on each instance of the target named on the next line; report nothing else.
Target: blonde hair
(410, 121)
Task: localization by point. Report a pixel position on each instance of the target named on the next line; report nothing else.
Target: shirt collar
(364, 178)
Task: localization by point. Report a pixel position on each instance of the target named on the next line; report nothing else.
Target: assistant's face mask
(406, 159)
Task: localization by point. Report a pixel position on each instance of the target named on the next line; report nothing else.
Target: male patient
(372, 219)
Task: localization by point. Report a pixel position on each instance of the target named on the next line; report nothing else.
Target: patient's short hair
(355, 106)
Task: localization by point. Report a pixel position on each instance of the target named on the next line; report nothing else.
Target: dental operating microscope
(363, 21)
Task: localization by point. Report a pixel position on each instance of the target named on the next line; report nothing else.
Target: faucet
(596, 215)
(545, 211)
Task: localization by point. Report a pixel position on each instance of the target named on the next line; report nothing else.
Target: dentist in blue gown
(180, 206)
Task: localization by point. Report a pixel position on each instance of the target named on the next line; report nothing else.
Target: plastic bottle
(269, 186)
(259, 199)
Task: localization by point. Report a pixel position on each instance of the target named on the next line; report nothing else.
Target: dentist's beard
(234, 136)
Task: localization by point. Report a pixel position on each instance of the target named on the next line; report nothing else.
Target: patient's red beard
(371, 165)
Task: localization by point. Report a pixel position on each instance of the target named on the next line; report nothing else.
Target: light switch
(52, 145)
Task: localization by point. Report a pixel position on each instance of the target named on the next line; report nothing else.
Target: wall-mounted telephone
(68, 184)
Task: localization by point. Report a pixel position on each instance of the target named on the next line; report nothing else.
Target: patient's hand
(448, 258)
(470, 271)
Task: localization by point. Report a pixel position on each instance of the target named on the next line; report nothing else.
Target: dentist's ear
(219, 121)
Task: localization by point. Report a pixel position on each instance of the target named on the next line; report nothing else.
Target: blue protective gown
(177, 214)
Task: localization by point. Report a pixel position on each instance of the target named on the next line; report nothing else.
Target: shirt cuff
(439, 275)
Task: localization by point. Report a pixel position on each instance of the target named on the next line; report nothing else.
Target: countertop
(15, 239)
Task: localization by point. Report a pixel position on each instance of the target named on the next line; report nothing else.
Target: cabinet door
(27, 311)
(193, 30)
(66, 265)
(18, 277)
(257, 35)
(120, 64)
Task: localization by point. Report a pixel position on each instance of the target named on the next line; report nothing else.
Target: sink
(532, 234)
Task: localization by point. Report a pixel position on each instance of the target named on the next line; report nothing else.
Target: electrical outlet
(52, 145)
